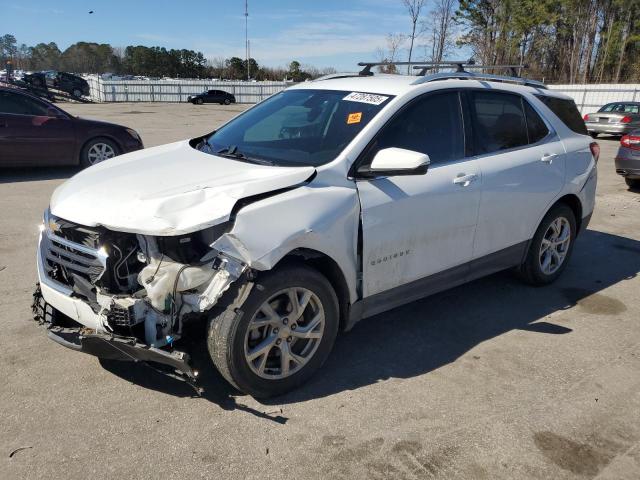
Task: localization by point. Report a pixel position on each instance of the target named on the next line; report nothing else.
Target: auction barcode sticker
(369, 98)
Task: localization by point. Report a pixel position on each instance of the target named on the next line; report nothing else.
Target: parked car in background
(212, 96)
(34, 132)
(618, 118)
(65, 82)
(628, 159)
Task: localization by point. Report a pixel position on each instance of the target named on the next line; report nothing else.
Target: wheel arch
(328, 267)
(573, 202)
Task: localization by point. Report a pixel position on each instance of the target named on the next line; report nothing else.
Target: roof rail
(479, 76)
(335, 75)
(515, 70)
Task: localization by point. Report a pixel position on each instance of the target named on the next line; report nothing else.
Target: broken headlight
(191, 247)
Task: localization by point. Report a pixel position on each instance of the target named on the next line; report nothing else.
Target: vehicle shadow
(34, 174)
(425, 335)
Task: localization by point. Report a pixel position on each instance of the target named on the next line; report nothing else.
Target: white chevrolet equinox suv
(323, 205)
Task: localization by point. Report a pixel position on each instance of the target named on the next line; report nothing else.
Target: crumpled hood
(167, 190)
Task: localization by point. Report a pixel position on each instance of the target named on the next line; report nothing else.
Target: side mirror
(396, 161)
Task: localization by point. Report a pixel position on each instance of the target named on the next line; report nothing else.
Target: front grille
(64, 259)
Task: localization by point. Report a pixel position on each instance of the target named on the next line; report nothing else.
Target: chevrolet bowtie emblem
(54, 226)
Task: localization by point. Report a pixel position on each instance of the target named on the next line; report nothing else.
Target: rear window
(566, 111)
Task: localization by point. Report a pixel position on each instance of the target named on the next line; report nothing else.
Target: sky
(324, 33)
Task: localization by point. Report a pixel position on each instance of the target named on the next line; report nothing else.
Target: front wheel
(551, 247)
(198, 101)
(279, 336)
(98, 150)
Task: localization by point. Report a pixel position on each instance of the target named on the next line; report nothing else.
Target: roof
(397, 85)
(380, 83)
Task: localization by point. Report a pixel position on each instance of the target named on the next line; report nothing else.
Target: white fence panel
(590, 98)
(177, 90)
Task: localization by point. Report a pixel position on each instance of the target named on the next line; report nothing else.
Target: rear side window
(499, 121)
(566, 111)
(20, 105)
(431, 125)
(536, 127)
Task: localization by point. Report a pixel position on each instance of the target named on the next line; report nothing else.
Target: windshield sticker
(354, 118)
(369, 98)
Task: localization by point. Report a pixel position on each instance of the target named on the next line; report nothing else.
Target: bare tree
(441, 29)
(390, 54)
(414, 8)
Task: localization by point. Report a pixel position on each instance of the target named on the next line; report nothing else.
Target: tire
(227, 101)
(88, 155)
(532, 270)
(233, 336)
(593, 134)
(198, 101)
(632, 182)
(77, 93)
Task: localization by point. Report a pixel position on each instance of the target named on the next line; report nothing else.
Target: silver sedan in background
(617, 118)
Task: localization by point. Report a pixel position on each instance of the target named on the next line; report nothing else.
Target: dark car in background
(628, 159)
(34, 132)
(617, 118)
(212, 96)
(65, 82)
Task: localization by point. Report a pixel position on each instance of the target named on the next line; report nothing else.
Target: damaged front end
(128, 296)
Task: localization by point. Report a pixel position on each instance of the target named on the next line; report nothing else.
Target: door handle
(465, 180)
(548, 157)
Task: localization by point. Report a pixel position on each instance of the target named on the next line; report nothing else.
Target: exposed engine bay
(139, 286)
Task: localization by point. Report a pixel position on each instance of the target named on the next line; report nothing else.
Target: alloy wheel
(555, 245)
(284, 333)
(100, 152)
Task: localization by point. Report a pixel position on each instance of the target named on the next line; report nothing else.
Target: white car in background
(325, 204)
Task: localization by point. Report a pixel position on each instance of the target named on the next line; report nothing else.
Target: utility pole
(246, 36)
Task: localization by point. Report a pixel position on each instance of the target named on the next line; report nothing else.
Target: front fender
(316, 217)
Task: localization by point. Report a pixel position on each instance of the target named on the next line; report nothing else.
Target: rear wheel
(632, 182)
(77, 93)
(98, 150)
(227, 101)
(551, 247)
(280, 335)
(199, 101)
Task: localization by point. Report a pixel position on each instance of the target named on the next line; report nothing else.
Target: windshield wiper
(232, 152)
(205, 143)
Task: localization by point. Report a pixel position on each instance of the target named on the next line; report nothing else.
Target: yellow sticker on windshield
(354, 118)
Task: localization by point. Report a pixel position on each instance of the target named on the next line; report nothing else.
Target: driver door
(420, 228)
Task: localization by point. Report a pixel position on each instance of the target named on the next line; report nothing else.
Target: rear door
(29, 136)
(523, 167)
(416, 226)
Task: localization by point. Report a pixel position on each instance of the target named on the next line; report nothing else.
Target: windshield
(296, 127)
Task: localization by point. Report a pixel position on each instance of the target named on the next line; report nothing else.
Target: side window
(536, 127)
(431, 125)
(20, 105)
(499, 121)
(567, 111)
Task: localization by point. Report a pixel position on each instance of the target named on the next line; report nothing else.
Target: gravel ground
(491, 380)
